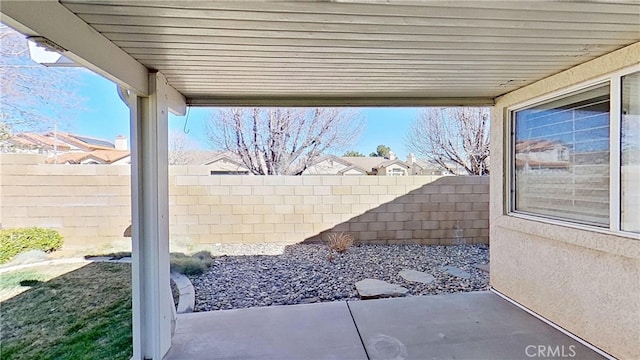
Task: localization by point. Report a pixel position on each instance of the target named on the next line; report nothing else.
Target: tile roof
(39, 140)
(109, 156)
(84, 142)
(68, 158)
(100, 156)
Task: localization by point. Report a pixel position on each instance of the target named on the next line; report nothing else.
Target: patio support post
(153, 309)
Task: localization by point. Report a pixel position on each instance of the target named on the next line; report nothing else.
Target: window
(397, 172)
(630, 153)
(570, 162)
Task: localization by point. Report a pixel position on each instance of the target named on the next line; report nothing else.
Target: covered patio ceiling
(341, 52)
(306, 53)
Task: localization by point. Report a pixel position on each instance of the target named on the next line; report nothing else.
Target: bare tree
(452, 138)
(180, 147)
(32, 96)
(282, 141)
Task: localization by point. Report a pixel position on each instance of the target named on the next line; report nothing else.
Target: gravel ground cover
(304, 274)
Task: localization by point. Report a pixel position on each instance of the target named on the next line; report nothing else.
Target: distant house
(369, 165)
(106, 156)
(541, 154)
(37, 143)
(333, 165)
(224, 163)
(421, 167)
(352, 170)
(392, 168)
(227, 163)
(68, 148)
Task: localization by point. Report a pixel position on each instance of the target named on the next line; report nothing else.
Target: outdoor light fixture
(47, 44)
(47, 52)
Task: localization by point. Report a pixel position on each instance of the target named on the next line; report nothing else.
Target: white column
(153, 311)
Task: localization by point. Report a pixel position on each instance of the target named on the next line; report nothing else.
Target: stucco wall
(585, 281)
(90, 205)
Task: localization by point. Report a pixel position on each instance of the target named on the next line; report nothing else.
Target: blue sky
(105, 116)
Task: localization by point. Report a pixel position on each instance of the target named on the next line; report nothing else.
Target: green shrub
(15, 241)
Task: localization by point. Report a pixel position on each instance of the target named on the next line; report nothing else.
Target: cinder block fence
(90, 205)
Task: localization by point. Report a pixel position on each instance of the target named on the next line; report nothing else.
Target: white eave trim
(176, 102)
(84, 45)
(329, 101)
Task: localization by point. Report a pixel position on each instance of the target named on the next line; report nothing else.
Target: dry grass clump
(339, 242)
(194, 265)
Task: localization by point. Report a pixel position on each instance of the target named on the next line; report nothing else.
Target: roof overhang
(347, 53)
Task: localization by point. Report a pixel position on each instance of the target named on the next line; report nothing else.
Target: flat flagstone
(454, 271)
(483, 267)
(373, 289)
(417, 276)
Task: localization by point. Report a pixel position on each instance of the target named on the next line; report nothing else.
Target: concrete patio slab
(312, 331)
(478, 325)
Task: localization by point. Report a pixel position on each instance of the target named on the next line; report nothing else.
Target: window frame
(614, 80)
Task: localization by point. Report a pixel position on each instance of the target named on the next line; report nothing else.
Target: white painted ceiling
(359, 49)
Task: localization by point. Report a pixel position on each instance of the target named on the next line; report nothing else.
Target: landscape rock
(454, 271)
(249, 277)
(417, 276)
(374, 289)
(187, 298)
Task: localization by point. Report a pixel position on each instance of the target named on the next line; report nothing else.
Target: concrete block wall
(90, 205)
(288, 209)
(447, 211)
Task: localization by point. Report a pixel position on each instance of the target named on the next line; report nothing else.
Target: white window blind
(561, 158)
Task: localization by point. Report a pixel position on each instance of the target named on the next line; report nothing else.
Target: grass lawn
(82, 314)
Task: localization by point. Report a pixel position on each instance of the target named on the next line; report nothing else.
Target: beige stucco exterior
(584, 280)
